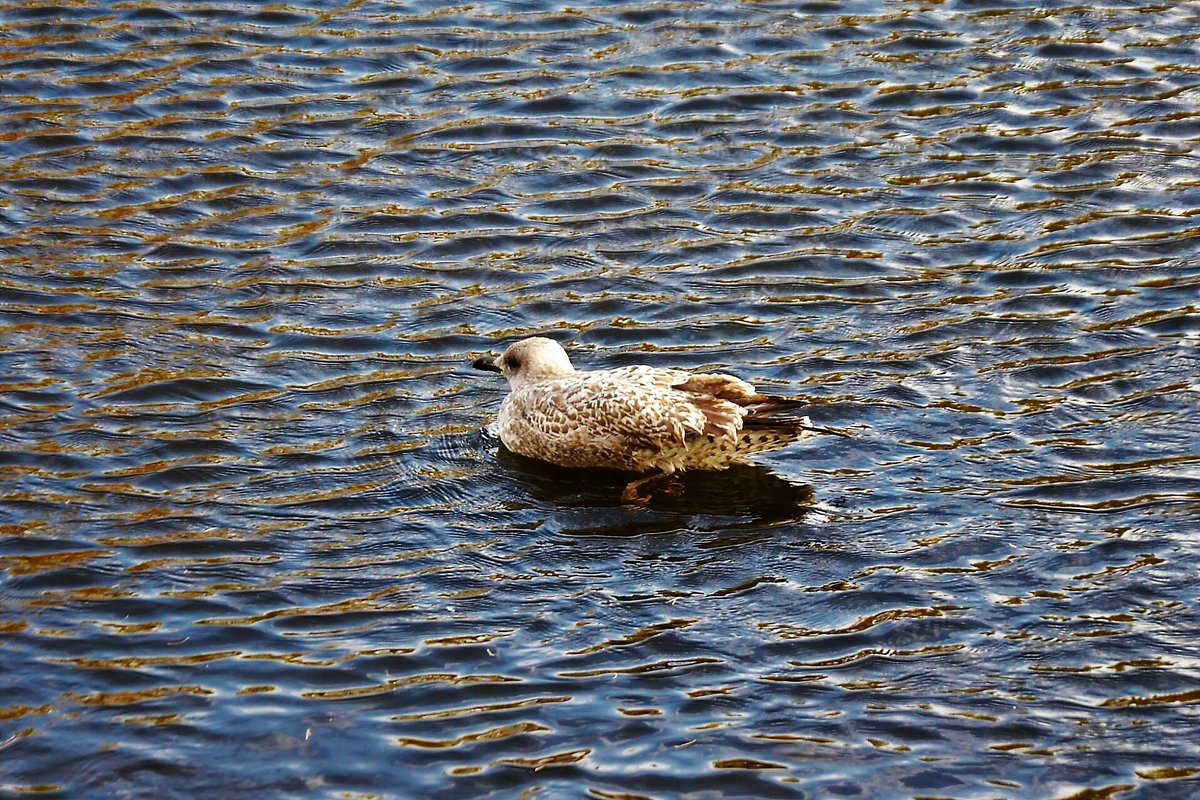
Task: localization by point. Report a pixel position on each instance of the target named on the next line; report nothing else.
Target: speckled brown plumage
(639, 418)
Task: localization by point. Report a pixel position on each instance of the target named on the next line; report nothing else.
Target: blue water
(255, 539)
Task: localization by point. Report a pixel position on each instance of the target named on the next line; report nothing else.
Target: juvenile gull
(638, 419)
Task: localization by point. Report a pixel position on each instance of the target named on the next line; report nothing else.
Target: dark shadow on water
(589, 500)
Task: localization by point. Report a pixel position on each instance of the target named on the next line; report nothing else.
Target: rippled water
(254, 541)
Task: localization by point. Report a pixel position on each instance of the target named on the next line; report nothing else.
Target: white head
(530, 359)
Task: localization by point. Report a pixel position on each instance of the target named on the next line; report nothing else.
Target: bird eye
(513, 363)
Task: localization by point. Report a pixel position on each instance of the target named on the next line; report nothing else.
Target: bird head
(536, 358)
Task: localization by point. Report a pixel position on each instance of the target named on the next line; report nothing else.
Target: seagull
(636, 419)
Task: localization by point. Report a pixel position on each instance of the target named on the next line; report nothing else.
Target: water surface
(254, 537)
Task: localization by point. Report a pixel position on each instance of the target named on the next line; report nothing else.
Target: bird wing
(629, 418)
(659, 406)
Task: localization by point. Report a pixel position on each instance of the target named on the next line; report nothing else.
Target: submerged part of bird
(638, 419)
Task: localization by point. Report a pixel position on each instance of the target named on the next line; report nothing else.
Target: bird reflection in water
(749, 492)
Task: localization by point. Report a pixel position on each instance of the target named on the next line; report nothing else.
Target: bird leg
(666, 481)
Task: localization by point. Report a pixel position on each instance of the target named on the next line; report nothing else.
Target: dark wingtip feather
(783, 413)
(766, 411)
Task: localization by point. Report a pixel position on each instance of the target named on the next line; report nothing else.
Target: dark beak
(485, 364)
